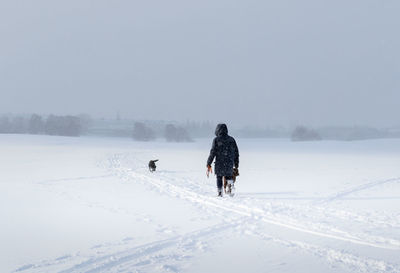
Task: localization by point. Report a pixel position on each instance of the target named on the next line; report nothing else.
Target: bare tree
(36, 125)
(63, 126)
(302, 133)
(5, 125)
(176, 134)
(142, 133)
(19, 125)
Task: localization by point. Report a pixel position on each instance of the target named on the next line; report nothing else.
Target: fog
(250, 62)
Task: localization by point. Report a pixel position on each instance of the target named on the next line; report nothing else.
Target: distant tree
(52, 125)
(5, 125)
(36, 125)
(142, 133)
(71, 126)
(63, 126)
(176, 134)
(302, 133)
(19, 125)
(170, 132)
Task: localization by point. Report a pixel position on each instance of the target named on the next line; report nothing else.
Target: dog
(152, 165)
(229, 185)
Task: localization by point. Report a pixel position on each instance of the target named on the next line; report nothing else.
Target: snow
(91, 205)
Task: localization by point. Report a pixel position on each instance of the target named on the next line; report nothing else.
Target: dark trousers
(219, 180)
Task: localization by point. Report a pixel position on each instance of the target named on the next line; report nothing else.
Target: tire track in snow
(309, 211)
(132, 255)
(45, 182)
(182, 193)
(148, 254)
(113, 260)
(354, 262)
(192, 195)
(355, 189)
(116, 161)
(334, 257)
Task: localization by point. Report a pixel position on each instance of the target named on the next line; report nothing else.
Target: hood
(221, 130)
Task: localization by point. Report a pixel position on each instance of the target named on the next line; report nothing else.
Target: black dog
(152, 165)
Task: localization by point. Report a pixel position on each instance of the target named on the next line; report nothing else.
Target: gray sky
(261, 62)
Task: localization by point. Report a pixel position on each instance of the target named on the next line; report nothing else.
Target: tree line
(68, 125)
(38, 125)
(83, 124)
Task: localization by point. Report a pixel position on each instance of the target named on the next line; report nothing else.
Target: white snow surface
(91, 205)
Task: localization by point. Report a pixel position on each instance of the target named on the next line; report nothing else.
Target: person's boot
(219, 192)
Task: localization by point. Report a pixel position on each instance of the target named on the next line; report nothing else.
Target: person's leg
(219, 185)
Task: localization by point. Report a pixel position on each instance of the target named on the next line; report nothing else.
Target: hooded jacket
(225, 151)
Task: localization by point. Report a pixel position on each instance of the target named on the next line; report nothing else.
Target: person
(226, 153)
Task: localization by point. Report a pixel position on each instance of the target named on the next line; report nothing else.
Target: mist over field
(111, 159)
(259, 63)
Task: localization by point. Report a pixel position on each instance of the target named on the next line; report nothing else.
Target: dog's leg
(230, 186)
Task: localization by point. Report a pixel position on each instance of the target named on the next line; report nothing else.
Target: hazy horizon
(251, 63)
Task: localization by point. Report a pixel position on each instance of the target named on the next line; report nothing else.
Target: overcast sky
(260, 62)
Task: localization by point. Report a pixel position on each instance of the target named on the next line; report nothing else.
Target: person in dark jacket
(226, 153)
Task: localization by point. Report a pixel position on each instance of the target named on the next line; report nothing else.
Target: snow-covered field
(91, 205)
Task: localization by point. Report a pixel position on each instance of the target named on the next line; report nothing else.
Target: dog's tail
(155, 160)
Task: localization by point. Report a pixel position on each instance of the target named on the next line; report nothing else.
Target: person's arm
(236, 159)
(212, 154)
